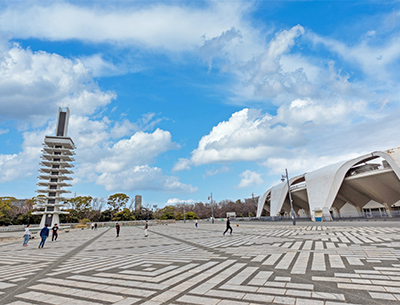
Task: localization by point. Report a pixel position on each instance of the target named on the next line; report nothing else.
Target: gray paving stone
(330, 264)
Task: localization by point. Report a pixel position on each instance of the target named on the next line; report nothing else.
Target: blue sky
(177, 99)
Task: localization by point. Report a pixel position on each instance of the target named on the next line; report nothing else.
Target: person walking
(117, 227)
(26, 236)
(92, 225)
(228, 225)
(95, 226)
(195, 224)
(54, 231)
(43, 234)
(146, 226)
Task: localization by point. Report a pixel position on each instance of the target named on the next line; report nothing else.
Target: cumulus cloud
(221, 44)
(122, 164)
(304, 161)
(182, 164)
(173, 201)
(248, 135)
(301, 111)
(25, 163)
(142, 177)
(34, 84)
(141, 148)
(116, 164)
(4, 131)
(114, 154)
(249, 179)
(332, 145)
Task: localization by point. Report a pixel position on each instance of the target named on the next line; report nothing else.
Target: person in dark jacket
(117, 227)
(54, 231)
(146, 226)
(228, 225)
(44, 233)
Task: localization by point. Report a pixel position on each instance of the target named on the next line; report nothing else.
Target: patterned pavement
(260, 263)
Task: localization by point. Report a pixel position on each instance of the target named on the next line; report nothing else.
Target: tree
(143, 214)
(191, 215)
(116, 202)
(125, 214)
(82, 205)
(178, 216)
(166, 212)
(5, 208)
(106, 215)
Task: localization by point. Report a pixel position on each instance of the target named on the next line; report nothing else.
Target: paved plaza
(261, 263)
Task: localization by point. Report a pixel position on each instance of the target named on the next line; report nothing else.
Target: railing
(13, 228)
(122, 223)
(342, 216)
(298, 185)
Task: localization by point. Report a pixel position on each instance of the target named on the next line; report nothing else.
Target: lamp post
(290, 196)
(212, 211)
(184, 214)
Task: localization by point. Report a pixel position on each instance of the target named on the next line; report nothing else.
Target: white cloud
(142, 177)
(301, 111)
(259, 74)
(331, 145)
(141, 148)
(303, 162)
(115, 164)
(100, 67)
(151, 26)
(34, 84)
(248, 135)
(122, 164)
(375, 60)
(4, 131)
(25, 163)
(213, 171)
(182, 164)
(250, 179)
(173, 201)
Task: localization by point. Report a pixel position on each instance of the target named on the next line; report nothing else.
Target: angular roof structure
(371, 177)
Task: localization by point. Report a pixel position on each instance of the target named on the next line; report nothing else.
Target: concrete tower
(138, 202)
(55, 165)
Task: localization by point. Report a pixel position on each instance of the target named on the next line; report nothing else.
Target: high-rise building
(56, 162)
(138, 202)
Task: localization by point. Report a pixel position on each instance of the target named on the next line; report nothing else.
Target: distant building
(253, 200)
(360, 186)
(230, 214)
(20, 203)
(138, 202)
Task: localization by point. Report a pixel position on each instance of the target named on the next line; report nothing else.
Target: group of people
(44, 233)
(228, 225)
(146, 226)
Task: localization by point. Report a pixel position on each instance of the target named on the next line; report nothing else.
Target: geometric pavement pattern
(179, 264)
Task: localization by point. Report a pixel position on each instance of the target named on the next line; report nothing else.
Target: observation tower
(57, 158)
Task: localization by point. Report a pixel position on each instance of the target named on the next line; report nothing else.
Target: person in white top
(26, 236)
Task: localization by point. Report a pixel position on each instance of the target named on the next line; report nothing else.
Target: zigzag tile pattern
(179, 264)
